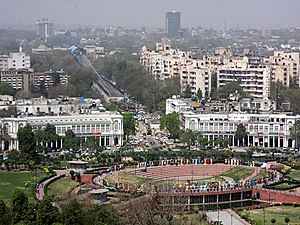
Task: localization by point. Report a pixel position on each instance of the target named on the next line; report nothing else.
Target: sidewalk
(40, 193)
(227, 217)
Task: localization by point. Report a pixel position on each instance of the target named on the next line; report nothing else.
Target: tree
(5, 216)
(187, 93)
(287, 220)
(241, 134)
(273, 221)
(26, 140)
(295, 132)
(128, 124)
(188, 137)
(46, 213)
(231, 88)
(102, 215)
(73, 213)
(199, 94)
(70, 141)
(6, 89)
(171, 122)
(19, 206)
(50, 135)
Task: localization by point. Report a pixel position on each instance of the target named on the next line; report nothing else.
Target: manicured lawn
(61, 187)
(295, 174)
(277, 212)
(200, 182)
(283, 186)
(128, 178)
(238, 173)
(262, 174)
(26, 181)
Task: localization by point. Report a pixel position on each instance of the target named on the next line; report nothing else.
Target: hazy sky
(151, 13)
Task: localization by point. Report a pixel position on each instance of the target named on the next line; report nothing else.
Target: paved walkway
(227, 217)
(40, 193)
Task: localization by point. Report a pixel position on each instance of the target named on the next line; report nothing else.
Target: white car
(138, 150)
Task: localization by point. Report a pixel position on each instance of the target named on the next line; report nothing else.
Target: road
(227, 217)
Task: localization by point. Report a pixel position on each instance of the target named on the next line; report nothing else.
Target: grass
(283, 186)
(128, 178)
(25, 180)
(61, 187)
(261, 174)
(200, 182)
(279, 213)
(239, 173)
(295, 175)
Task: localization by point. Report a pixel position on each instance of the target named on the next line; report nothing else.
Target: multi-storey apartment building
(106, 127)
(26, 80)
(254, 79)
(48, 78)
(196, 76)
(264, 130)
(164, 62)
(285, 67)
(18, 79)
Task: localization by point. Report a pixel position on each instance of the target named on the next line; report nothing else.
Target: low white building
(264, 130)
(106, 127)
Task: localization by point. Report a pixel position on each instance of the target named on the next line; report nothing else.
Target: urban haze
(144, 13)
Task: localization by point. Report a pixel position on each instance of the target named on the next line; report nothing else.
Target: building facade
(254, 79)
(106, 127)
(45, 29)
(14, 61)
(173, 24)
(28, 81)
(263, 130)
(285, 67)
(196, 76)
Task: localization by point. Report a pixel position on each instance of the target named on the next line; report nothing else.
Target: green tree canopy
(188, 137)
(128, 124)
(70, 140)
(26, 140)
(171, 122)
(240, 133)
(73, 213)
(187, 93)
(19, 206)
(231, 88)
(6, 89)
(46, 213)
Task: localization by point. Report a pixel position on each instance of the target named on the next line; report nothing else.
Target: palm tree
(295, 132)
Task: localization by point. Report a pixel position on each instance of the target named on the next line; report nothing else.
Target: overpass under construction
(102, 85)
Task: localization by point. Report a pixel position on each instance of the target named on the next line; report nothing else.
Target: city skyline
(134, 13)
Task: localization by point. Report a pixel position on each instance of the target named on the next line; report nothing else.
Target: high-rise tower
(172, 24)
(44, 29)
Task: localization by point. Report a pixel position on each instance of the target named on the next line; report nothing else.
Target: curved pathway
(40, 191)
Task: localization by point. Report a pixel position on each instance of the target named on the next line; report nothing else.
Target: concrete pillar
(273, 141)
(233, 140)
(61, 143)
(189, 203)
(2, 145)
